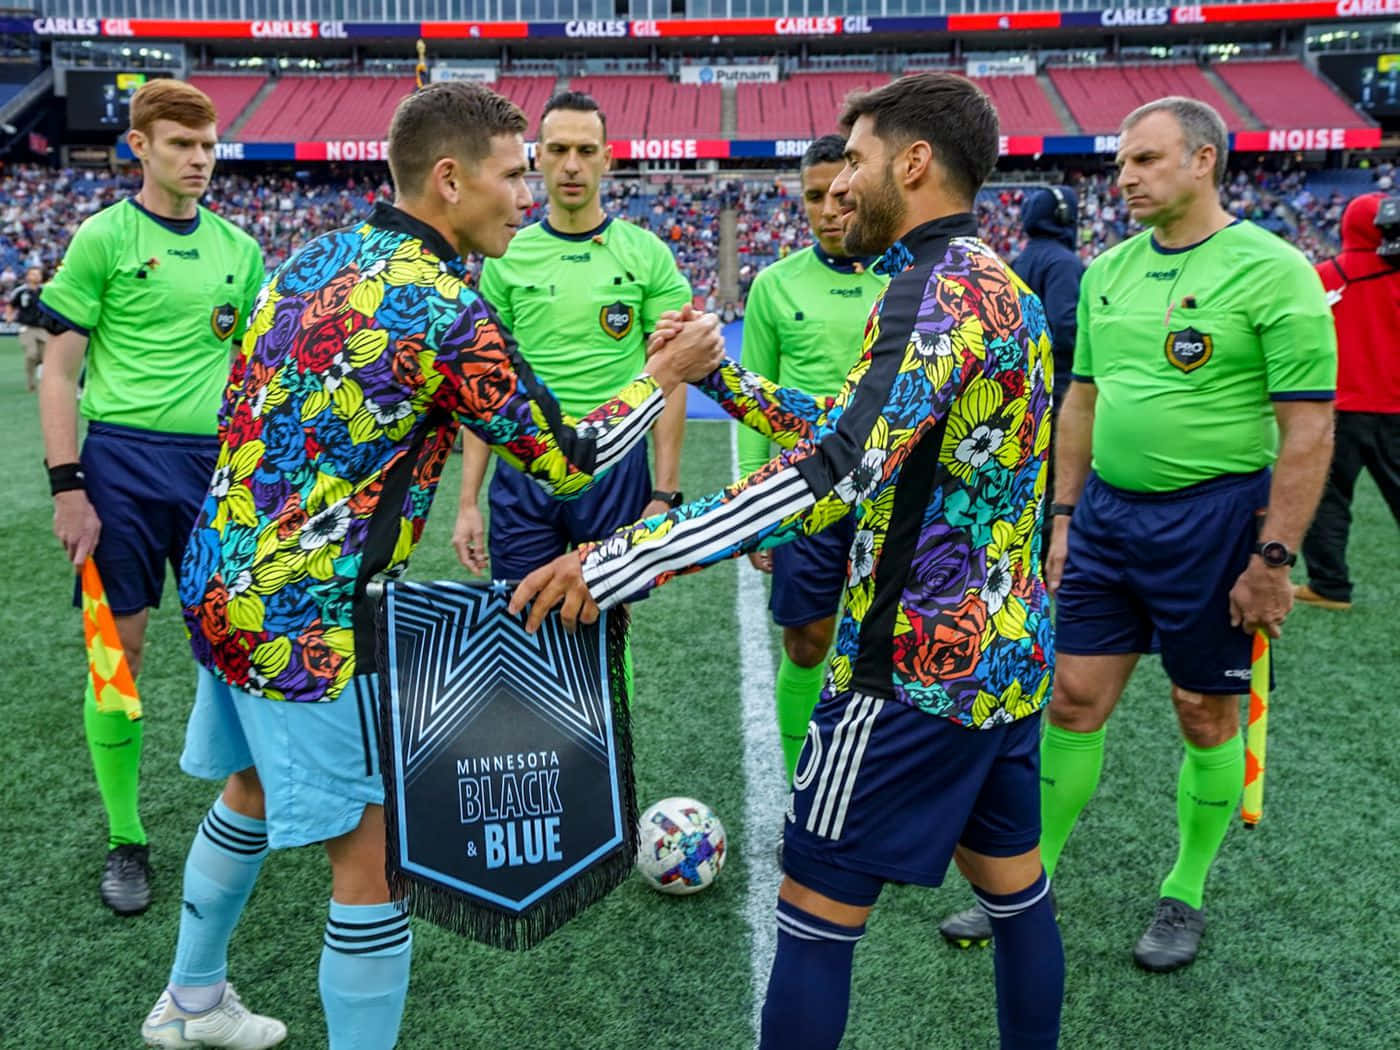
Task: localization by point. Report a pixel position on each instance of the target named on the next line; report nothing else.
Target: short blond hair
(166, 99)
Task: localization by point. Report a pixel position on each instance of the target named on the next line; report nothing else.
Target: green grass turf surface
(1300, 950)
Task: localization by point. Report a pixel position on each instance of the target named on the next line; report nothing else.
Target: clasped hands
(686, 346)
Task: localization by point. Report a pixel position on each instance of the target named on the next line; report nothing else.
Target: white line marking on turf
(764, 776)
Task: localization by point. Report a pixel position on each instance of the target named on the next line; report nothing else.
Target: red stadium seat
(1022, 105)
(1286, 94)
(1100, 97)
(803, 106)
(230, 94)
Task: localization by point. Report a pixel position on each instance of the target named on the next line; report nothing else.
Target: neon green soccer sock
(1070, 764)
(115, 743)
(798, 690)
(1207, 795)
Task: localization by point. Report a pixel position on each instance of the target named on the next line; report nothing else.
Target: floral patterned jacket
(364, 354)
(938, 442)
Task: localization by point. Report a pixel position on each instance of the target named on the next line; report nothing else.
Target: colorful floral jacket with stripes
(938, 443)
(365, 352)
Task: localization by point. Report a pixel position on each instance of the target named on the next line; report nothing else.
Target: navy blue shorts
(884, 793)
(1152, 571)
(147, 488)
(530, 528)
(809, 575)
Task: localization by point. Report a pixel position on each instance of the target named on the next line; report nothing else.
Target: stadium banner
(670, 149)
(603, 29)
(507, 761)
(445, 71)
(708, 74)
(1286, 140)
(1301, 139)
(1001, 67)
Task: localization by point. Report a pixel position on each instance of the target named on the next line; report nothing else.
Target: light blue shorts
(318, 763)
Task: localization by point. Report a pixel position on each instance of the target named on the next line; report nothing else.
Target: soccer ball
(680, 846)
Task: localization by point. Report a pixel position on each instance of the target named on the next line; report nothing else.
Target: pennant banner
(507, 762)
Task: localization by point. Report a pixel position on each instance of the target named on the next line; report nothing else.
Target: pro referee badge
(617, 319)
(224, 320)
(1188, 349)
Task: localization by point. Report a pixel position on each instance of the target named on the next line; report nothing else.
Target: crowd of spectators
(41, 207)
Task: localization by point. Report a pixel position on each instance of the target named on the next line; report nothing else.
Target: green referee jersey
(1188, 347)
(804, 323)
(580, 305)
(161, 310)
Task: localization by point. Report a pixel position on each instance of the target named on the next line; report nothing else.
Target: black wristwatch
(671, 499)
(1276, 555)
(1062, 510)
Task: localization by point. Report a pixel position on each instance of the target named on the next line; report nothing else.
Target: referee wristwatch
(671, 499)
(1276, 555)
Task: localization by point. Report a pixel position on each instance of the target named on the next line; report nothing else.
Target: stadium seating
(530, 93)
(230, 94)
(803, 106)
(1286, 94)
(1022, 105)
(326, 107)
(653, 107)
(1100, 96)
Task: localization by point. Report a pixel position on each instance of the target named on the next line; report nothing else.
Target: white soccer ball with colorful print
(680, 846)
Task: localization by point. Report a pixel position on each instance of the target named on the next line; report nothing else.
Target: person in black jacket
(1050, 217)
(24, 308)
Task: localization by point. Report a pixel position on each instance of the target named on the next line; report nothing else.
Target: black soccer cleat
(1173, 939)
(126, 880)
(972, 928)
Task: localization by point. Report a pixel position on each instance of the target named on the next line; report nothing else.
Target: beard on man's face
(875, 222)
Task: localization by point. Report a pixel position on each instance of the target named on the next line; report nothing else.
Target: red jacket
(1364, 291)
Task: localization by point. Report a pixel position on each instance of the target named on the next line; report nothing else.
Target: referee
(579, 291)
(802, 329)
(153, 295)
(1193, 447)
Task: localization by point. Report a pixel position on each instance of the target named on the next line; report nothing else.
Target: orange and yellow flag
(111, 676)
(1257, 735)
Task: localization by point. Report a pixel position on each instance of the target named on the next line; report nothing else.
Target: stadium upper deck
(732, 79)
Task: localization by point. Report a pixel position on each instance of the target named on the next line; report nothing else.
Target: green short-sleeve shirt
(804, 326)
(161, 309)
(1188, 348)
(580, 305)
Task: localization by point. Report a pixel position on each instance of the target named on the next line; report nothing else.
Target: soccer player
(1193, 446)
(33, 336)
(367, 351)
(802, 329)
(579, 290)
(923, 748)
(152, 295)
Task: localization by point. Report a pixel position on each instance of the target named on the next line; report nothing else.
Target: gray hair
(1200, 124)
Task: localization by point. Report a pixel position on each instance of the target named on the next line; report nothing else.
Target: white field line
(764, 776)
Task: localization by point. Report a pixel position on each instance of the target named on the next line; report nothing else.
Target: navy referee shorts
(1152, 572)
(147, 488)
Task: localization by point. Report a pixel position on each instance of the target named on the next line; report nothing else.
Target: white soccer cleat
(228, 1026)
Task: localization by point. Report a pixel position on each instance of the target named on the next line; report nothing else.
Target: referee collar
(1160, 250)
(842, 263)
(587, 235)
(182, 227)
(926, 242)
(387, 217)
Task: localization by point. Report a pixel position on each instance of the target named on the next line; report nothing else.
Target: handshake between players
(682, 342)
